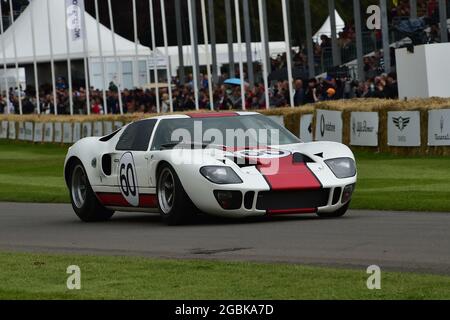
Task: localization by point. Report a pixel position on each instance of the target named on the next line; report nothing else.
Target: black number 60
(127, 180)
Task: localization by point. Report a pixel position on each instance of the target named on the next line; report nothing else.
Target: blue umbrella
(233, 82)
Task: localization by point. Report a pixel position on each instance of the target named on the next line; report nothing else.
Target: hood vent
(301, 158)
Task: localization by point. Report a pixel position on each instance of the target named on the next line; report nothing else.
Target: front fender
(86, 150)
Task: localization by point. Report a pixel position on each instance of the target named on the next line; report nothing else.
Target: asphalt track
(407, 241)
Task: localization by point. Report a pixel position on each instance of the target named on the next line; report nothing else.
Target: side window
(136, 136)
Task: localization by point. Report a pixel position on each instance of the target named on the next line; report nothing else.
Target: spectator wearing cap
(330, 94)
(60, 84)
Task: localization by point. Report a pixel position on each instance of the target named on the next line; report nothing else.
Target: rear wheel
(174, 204)
(84, 202)
(336, 214)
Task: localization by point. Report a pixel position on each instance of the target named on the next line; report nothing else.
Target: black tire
(180, 210)
(336, 214)
(88, 209)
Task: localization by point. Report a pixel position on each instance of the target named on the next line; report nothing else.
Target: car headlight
(342, 167)
(220, 175)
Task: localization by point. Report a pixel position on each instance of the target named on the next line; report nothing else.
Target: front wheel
(174, 204)
(84, 202)
(336, 214)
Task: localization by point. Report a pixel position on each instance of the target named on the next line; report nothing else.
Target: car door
(131, 161)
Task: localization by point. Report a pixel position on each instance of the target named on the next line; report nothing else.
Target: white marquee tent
(38, 8)
(127, 51)
(326, 27)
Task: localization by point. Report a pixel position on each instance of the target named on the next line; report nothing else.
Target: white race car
(228, 164)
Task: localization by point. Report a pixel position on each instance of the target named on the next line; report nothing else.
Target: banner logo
(326, 127)
(401, 123)
(359, 127)
(442, 136)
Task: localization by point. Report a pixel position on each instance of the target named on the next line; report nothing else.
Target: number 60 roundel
(128, 179)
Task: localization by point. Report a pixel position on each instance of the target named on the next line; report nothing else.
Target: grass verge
(39, 276)
(34, 173)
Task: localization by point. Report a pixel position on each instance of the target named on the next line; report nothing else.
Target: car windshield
(233, 132)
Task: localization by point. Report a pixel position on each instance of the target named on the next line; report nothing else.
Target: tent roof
(326, 27)
(38, 8)
(275, 47)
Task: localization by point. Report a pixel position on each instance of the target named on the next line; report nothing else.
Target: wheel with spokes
(174, 204)
(84, 202)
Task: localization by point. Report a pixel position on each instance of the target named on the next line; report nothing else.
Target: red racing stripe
(212, 115)
(284, 174)
(117, 200)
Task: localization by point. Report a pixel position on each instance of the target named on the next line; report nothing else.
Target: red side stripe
(283, 174)
(148, 201)
(117, 200)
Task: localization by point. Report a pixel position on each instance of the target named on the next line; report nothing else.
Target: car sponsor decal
(128, 179)
(284, 174)
(118, 200)
(262, 153)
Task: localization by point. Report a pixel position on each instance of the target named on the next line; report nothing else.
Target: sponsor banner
(108, 127)
(67, 132)
(76, 132)
(87, 129)
(58, 132)
(29, 131)
(48, 132)
(4, 130)
(98, 129)
(439, 127)
(118, 125)
(278, 119)
(38, 130)
(364, 129)
(306, 128)
(329, 126)
(21, 135)
(404, 129)
(12, 135)
(74, 11)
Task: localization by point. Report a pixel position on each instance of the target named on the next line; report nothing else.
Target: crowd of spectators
(424, 8)
(376, 83)
(372, 39)
(226, 97)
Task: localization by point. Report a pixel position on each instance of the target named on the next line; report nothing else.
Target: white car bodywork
(144, 164)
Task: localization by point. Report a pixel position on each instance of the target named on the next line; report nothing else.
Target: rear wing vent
(109, 136)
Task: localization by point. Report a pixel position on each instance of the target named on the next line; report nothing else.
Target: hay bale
(292, 120)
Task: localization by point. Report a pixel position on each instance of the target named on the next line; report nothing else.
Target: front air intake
(337, 195)
(248, 200)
